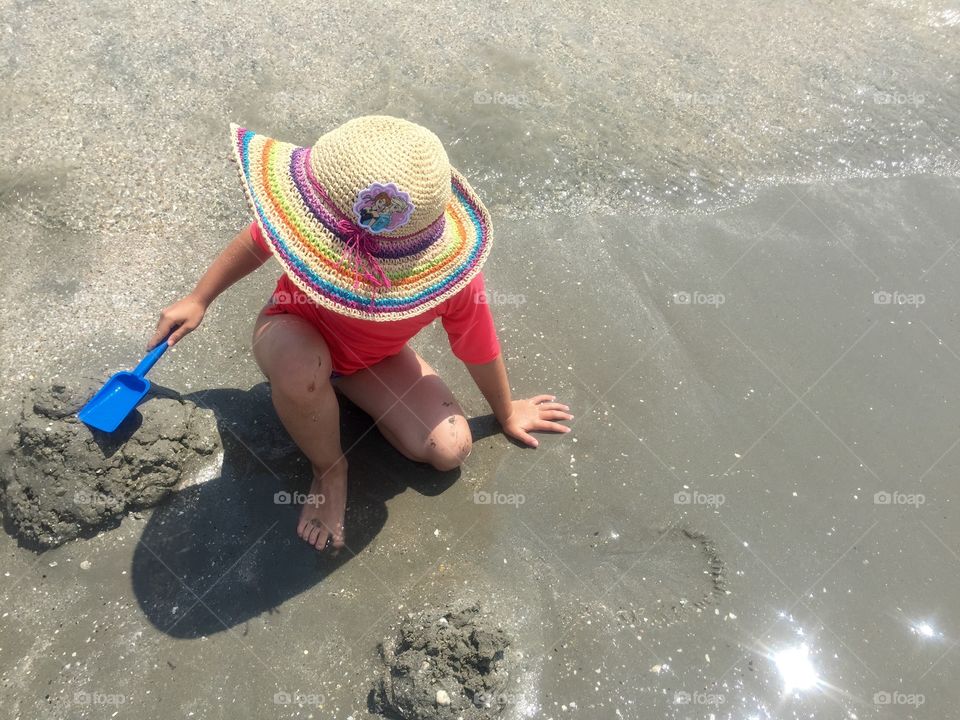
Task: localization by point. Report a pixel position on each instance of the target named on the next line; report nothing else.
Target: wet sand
(755, 515)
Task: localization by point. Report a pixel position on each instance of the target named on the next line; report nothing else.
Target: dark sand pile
(61, 480)
(444, 664)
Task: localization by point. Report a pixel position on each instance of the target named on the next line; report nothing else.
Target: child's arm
(491, 379)
(240, 258)
(517, 417)
(473, 337)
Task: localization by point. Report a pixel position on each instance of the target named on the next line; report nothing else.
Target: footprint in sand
(657, 577)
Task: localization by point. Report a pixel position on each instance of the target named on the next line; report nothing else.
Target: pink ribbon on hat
(359, 247)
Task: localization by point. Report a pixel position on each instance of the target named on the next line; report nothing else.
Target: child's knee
(448, 451)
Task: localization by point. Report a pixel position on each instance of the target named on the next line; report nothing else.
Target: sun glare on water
(796, 668)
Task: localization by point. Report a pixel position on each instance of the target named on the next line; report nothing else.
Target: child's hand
(184, 315)
(537, 413)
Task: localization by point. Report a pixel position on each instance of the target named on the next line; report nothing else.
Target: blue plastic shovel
(120, 394)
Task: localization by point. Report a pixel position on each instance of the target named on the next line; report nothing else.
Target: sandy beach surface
(726, 235)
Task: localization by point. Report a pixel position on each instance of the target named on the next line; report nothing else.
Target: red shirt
(356, 344)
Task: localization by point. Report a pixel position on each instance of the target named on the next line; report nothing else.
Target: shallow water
(758, 392)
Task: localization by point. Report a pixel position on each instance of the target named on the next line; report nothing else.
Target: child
(378, 236)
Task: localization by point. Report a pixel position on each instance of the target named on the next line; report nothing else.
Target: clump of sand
(60, 479)
(444, 664)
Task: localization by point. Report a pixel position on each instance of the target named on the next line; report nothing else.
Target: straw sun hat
(372, 221)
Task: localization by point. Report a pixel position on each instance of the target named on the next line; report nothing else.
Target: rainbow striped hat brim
(303, 221)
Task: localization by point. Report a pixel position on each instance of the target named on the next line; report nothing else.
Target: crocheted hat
(372, 221)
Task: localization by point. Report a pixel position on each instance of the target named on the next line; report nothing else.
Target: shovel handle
(151, 358)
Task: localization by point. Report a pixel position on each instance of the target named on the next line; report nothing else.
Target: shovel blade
(114, 401)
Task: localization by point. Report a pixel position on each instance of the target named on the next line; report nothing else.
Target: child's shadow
(223, 552)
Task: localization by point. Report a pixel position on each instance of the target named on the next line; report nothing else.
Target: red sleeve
(257, 236)
(469, 324)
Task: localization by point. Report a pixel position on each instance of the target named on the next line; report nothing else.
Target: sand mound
(444, 664)
(60, 479)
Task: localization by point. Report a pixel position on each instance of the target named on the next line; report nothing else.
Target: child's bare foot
(321, 519)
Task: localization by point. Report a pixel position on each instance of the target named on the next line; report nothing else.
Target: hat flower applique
(383, 207)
